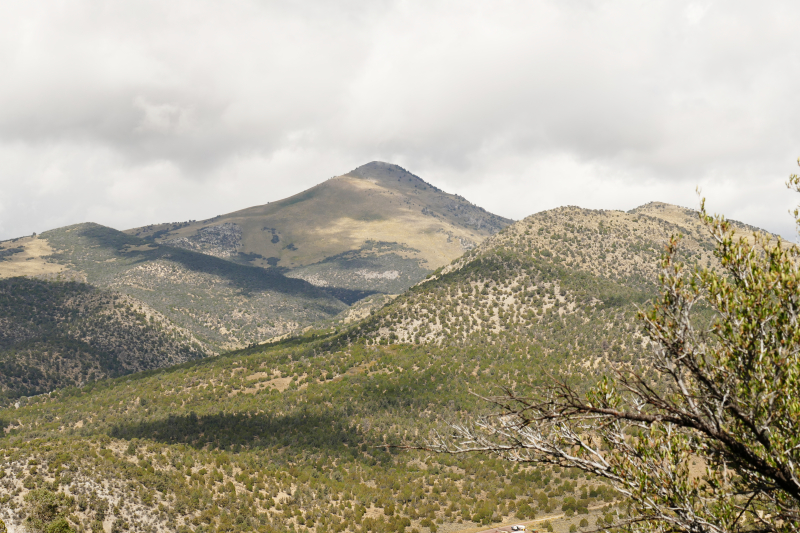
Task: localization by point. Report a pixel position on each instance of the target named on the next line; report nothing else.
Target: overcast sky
(133, 112)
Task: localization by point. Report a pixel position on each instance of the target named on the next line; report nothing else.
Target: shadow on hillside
(229, 430)
(348, 296)
(249, 279)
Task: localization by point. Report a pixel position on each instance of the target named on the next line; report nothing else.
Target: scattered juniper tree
(711, 443)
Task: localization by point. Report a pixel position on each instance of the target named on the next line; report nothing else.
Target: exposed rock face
(220, 241)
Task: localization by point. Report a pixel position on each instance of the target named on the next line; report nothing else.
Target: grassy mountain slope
(277, 431)
(222, 303)
(265, 271)
(57, 334)
(377, 228)
(104, 303)
(27, 256)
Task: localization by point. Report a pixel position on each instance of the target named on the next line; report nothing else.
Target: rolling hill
(268, 270)
(99, 303)
(289, 437)
(337, 250)
(223, 304)
(567, 266)
(58, 334)
(293, 436)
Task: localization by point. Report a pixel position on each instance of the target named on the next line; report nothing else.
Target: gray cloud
(136, 112)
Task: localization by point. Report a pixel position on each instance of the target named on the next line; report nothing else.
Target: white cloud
(136, 112)
(695, 12)
(167, 119)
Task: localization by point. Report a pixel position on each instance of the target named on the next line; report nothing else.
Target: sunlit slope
(577, 268)
(27, 256)
(223, 304)
(269, 270)
(688, 222)
(378, 227)
(290, 437)
(293, 436)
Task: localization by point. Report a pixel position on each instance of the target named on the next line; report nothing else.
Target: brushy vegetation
(56, 334)
(565, 269)
(223, 304)
(214, 445)
(710, 444)
(299, 435)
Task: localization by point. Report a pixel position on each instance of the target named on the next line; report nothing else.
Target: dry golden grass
(280, 383)
(32, 261)
(344, 213)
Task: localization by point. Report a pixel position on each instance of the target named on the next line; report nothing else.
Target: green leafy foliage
(710, 441)
(47, 511)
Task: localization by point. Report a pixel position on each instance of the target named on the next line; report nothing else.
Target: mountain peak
(331, 232)
(377, 167)
(385, 172)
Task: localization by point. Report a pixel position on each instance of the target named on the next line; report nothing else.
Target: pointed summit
(389, 173)
(376, 169)
(376, 228)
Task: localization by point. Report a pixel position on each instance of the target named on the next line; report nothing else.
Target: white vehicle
(519, 527)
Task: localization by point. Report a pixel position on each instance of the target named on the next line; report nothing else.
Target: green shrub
(46, 509)
(59, 525)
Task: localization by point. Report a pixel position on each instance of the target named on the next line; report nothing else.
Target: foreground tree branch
(727, 398)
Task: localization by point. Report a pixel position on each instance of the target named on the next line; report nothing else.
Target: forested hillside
(572, 272)
(298, 435)
(288, 437)
(98, 303)
(57, 334)
(225, 305)
(269, 270)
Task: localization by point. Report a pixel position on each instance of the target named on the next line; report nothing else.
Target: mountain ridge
(377, 202)
(378, 230)
(565, 265)
(305, 434)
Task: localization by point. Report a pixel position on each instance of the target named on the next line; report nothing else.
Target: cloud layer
(128, 113)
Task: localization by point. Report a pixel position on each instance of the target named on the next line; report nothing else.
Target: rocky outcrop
(220, 241)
